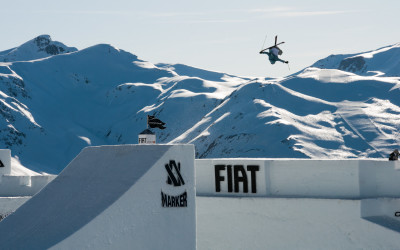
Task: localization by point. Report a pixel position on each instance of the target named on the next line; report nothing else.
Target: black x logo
(172, 179)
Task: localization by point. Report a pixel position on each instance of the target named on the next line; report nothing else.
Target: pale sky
(217, 35)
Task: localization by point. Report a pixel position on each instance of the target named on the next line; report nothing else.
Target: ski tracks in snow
(353, 114)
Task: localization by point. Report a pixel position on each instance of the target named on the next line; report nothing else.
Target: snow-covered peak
(383, 62)
(39, 47)
(102, 95)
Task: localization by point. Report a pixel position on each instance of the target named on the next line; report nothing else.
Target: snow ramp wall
(376, 182)
(298, 178)
(120, 197)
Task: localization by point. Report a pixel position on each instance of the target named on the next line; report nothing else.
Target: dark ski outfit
(273, 55)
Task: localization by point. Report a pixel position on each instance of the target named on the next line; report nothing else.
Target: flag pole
(147, 125)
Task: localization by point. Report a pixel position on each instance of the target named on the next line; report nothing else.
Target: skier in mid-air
(274, 52)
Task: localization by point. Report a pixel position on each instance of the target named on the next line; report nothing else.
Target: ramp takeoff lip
(110, 194)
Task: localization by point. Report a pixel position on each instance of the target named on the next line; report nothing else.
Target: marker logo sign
(174, 179)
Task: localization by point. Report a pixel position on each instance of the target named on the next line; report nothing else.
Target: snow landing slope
(54, 106)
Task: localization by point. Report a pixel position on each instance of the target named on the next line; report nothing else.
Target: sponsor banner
(231, 177)
(237, 178)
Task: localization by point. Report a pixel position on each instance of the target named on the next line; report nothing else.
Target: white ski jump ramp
(143, 197)
(112, 197)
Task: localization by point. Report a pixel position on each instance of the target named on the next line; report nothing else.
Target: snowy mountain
(39, 47)
(55, 105)
(383, 61)
(318, 114)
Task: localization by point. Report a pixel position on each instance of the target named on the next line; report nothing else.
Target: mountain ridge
(52, 107)
(383, 61)
(39, 47)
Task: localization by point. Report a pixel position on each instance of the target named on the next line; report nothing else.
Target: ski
(272, 46)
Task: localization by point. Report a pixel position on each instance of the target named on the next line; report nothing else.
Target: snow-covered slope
(39, 47)
(383, 61)
(186, 70)
(338, 115)
(54, 106)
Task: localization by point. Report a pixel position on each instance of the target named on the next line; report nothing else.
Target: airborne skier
(274, 52)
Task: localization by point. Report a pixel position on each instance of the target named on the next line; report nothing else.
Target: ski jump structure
(112, 197)
(144, 196)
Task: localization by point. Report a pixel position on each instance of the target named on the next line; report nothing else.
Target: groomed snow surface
(280, 223)
(276, 223)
